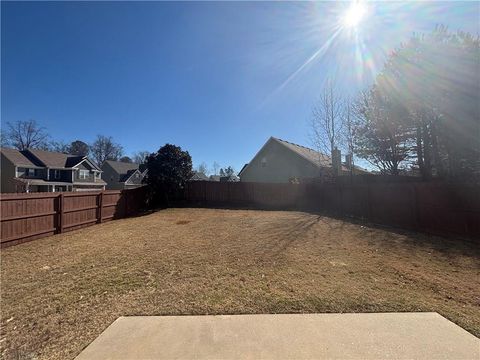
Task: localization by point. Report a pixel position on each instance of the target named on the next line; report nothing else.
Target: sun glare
(354, 14)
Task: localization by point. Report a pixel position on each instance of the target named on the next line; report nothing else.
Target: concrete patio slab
(286, 336)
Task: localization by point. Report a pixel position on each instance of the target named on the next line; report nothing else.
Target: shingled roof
(42, 158)
(53, 159)
(311, 155)
(19, 158)
(123, 169)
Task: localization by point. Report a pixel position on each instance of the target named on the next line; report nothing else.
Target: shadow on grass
(449, 245)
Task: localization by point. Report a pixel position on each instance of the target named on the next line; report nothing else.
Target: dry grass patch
(59, 293)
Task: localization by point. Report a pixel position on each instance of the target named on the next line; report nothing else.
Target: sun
(354, 14)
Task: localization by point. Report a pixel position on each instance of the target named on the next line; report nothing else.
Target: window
(83, 174)
(264, 162)
(56, 174)
(31, 172)
(137, 175)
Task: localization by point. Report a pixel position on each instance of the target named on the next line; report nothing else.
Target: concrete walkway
(299, 336)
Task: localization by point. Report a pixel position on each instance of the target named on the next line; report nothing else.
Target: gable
(277, 163)
(284, 156)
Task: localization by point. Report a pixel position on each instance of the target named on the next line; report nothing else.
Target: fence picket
(26, 217)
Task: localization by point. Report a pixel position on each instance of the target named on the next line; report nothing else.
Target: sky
(216, 78)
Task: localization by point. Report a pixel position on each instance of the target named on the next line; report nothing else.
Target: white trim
(132, 175)
(90, 162)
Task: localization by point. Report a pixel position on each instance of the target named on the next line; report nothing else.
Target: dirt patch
(182, 222)
(59, 293)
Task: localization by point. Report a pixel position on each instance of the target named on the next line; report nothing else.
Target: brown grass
(59, 293)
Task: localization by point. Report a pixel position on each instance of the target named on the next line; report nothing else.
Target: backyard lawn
(59, 293)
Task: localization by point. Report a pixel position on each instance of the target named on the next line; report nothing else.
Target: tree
(227, 172)
(168, 170)
(437, 78)
(126, 159)
(215, 167)
(104, 148)
(79, 148)
(59, 146)
(382, 135)
(327, 119)
(349, 131)
(140, 157)
(202, 168)
(26, 134)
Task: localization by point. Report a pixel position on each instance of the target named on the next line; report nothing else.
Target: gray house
(198, 176)
(280, 161)
(35, 170)
(120, 175)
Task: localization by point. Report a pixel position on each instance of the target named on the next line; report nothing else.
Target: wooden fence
(25, 217)
(445, 209)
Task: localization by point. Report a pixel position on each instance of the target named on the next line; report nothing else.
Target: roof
(199, 176)
(53, 159)
(19, 158)
(123, 169)
(314, 156)
(43, 158)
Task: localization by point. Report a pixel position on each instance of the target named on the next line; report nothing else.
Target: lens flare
(354, 14)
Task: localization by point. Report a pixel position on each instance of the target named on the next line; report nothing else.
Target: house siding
(6, 176)
(65, 175)
(111, 178)
(281, 165)
(22, 173)
(90, 178)
(134, 180)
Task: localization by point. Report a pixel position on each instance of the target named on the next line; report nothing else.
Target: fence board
(26, 217)
(438, 208)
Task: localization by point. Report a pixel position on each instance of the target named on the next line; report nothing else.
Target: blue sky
(216, 78)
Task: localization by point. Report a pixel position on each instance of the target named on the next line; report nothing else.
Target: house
(198, 176)
(229, 178)
(121, 175)
(34, 170)
(280, 161)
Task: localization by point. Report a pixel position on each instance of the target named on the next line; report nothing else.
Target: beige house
(280, 161)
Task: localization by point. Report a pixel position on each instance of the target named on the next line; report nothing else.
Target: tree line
(421, 115)
(22, 135)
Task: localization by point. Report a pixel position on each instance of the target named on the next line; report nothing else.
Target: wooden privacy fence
(437, 208)
(26, 217)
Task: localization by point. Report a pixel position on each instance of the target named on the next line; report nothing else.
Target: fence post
(60, 213)
(100, 207)
(369, 203)
(416, 209)
(126, 203)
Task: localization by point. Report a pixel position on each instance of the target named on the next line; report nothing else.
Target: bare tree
(327, 120)
(26, 134)
(59, 146)
(215, 167)
(202, 168)
(104, 148)
(140, 157)
(349, 132)
(125, 159)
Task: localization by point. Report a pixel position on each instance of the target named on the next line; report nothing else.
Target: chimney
(348, 161)
(336, 161)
